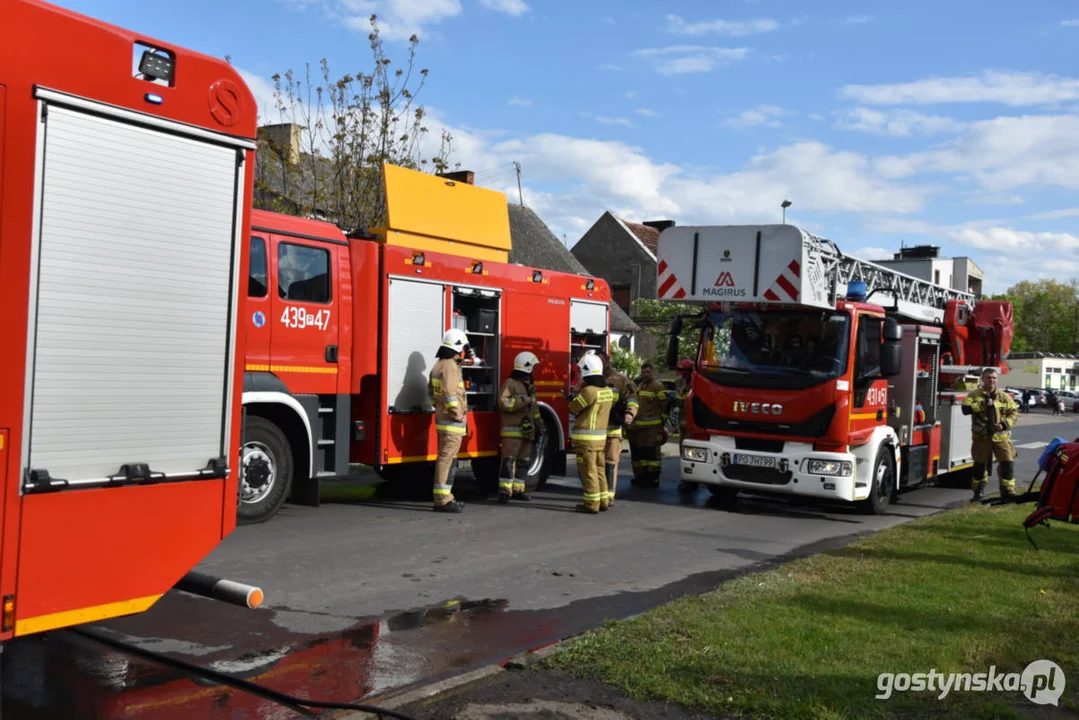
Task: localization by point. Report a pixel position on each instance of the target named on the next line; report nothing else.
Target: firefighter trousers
(612, 451)
(515, 455)
(449, 444)
(1003, 451)
(645, 453)
(593, 478)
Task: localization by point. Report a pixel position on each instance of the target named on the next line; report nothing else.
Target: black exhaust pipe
(215, 588)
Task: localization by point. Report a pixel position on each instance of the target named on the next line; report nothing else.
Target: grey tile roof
(536, 246)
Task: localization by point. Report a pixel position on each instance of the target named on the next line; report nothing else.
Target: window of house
(256, 278)
(936, 277)
(303, 273)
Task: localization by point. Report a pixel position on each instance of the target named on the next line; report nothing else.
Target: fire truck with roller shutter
(125, 181)
(343, 329)
(820, 374)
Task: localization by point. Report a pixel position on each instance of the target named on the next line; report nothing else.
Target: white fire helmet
(455, 340)
(525, 362)
(590, 365)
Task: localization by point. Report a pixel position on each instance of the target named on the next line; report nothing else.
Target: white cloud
(647, 112)
(612, 67)
(614, 121)
(858, 20)
(1070, 23)
(737, 28)
(1003, 154)
(682, 59)
(755, 117)
(509, 7)
(873, 253)
(897, 123)
(523, 102)
(630, 94)
(1016, 89)
(397, 19)
(609, 20)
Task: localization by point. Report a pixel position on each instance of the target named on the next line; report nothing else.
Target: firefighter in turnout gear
(993, 415)
(646, 435)
(681, 389)
(446, 387)
(520, 426)
(591, 409)
(623, 412)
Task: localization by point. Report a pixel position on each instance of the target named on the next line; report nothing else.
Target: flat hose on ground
(293, 703)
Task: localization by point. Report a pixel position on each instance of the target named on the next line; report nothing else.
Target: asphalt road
(367, 597)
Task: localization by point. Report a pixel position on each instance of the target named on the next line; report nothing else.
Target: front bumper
(713, 462)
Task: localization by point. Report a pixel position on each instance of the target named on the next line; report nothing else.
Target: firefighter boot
(519, 491)
(979, 490)
(505, 480)
(453, 506)
(612, 480)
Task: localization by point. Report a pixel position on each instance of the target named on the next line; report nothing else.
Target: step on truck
(343, 327)
(819, 374)
(126, 171)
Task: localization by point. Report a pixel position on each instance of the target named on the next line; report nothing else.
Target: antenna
(520, 196)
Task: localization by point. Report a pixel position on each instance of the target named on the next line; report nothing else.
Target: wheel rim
(884, 481)
(538, 454)
(258, 473)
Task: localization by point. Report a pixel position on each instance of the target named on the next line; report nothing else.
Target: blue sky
(955, 124)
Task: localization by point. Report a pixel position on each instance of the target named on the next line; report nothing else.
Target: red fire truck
(343, 328)
(125, 181)
(820, 374)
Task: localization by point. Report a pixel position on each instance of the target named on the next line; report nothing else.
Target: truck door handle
(331, 353)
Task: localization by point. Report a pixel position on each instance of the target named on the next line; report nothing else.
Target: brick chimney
(464, 176)
(660, 225)
(286, 136)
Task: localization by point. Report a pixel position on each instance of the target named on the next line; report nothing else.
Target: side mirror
(674, 330)
(892, 332)
(672, 350)
(891, 362)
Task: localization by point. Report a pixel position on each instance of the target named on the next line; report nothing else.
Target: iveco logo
(758, 408)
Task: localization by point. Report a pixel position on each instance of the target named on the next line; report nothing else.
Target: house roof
(536, 246)
(647, 235)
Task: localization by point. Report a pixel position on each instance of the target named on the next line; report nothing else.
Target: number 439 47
(295, 317)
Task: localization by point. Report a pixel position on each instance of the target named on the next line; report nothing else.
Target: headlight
(829, 467)
(696, 454)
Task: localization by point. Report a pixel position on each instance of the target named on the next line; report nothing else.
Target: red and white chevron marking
(787, 285)
(669, 286)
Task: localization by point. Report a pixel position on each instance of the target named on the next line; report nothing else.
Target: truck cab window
(256, 278)
(303, 273)
(867, 364)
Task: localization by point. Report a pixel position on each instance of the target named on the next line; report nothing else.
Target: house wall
(1055, 373)
(609, 252)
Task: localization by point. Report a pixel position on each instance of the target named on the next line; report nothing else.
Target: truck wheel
(539, 470)
(485, 471)
(265, 471)
(882, 489)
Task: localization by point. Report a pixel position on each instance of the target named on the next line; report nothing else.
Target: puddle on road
(66, 675)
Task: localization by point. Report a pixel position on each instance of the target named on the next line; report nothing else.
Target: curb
(396, 701)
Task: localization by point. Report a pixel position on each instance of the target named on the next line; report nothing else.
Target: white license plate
(762, 461)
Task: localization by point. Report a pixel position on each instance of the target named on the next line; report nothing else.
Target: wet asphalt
(365, 598)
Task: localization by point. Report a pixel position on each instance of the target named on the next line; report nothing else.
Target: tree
(1046, 315)
(654, 317)
(348, 128)
(626, 361)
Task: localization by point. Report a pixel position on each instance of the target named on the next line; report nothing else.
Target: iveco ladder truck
(820, 374)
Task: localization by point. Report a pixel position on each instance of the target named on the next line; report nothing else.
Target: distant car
(1070, 398)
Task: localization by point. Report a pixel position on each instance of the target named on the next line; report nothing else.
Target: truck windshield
(782, 349)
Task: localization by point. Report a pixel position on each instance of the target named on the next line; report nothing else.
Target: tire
(266, 471)
(485, 471)
(883, 489)
(539, 470)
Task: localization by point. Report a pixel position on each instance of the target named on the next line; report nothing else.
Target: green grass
(956, 592)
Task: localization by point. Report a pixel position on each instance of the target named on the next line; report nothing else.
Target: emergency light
(856, 291)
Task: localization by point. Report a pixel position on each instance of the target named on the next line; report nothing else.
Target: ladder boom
(783, 264)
